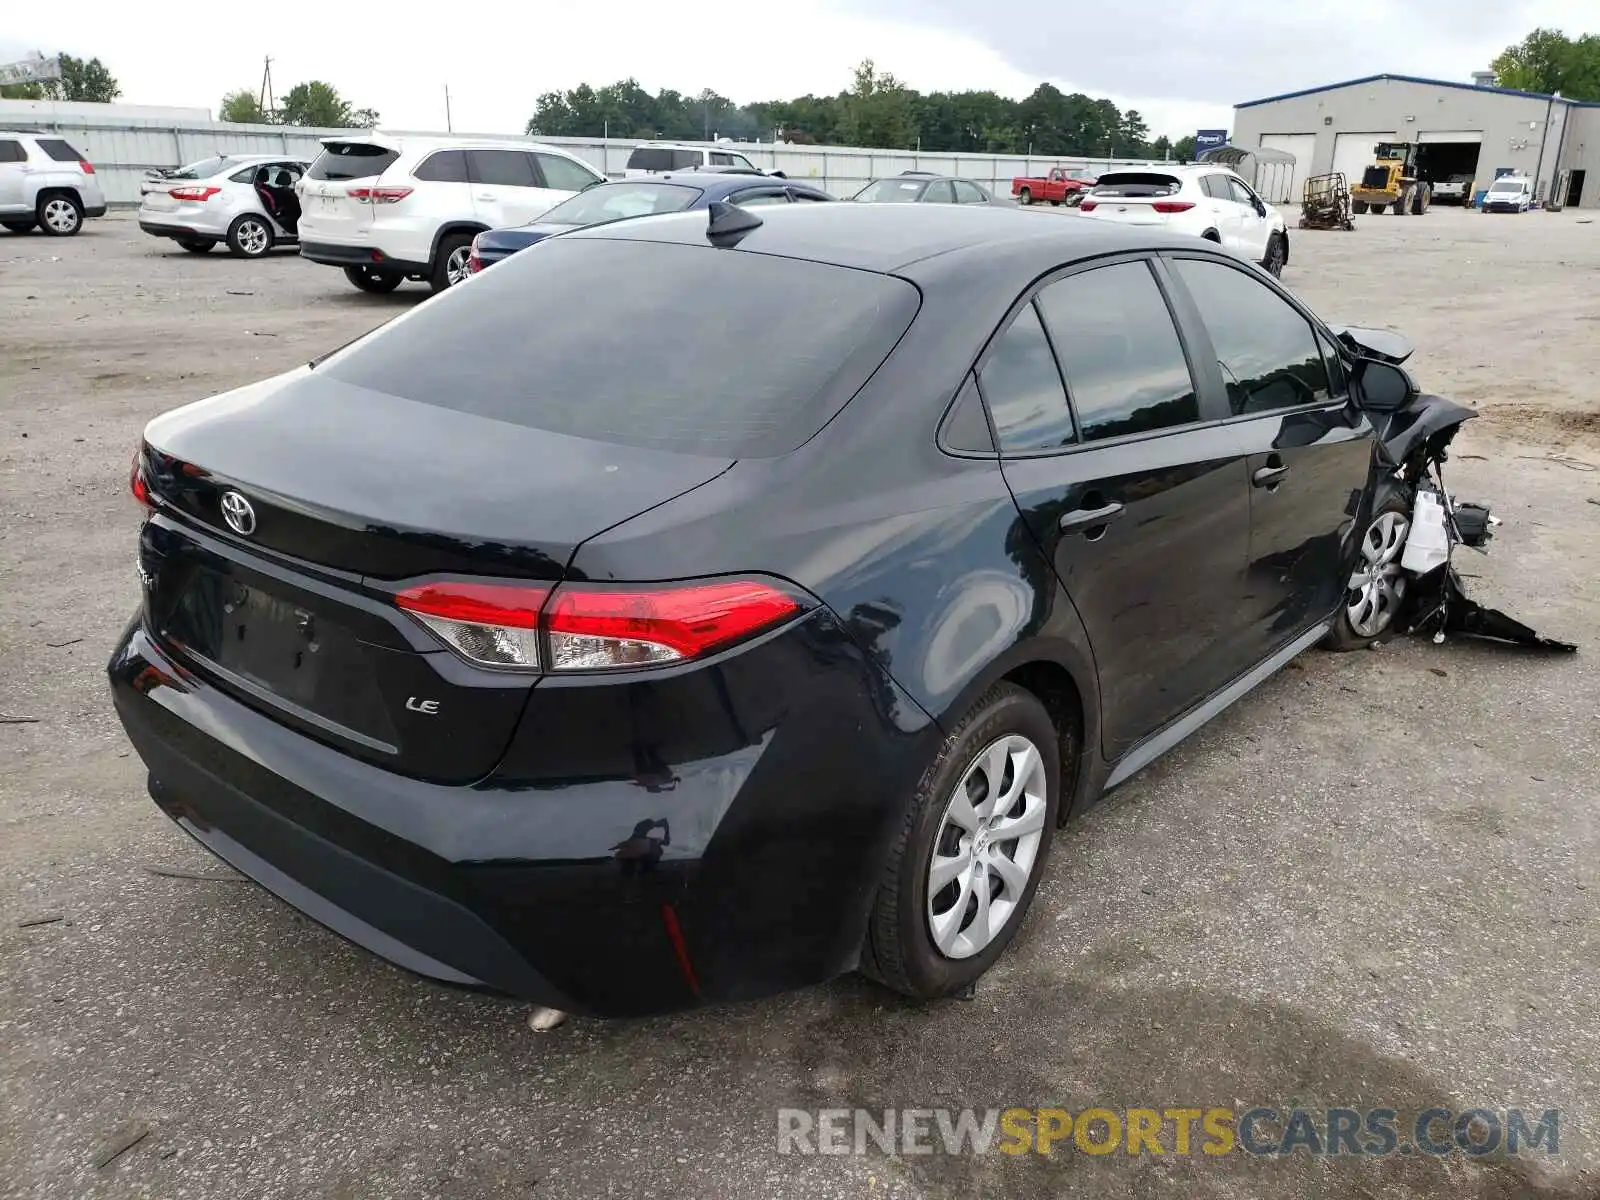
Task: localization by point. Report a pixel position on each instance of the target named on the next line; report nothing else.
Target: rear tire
(450, 261)
(250, 236)
(59, 214)
(370, 279)
(1024, 197)
(999, 772)
(1358, 207)
(1366, 617)
(22, 226)
(198, 246)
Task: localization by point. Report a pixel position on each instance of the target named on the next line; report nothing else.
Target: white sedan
(248, 203)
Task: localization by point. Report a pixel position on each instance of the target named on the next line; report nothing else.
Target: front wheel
(370, 279)
(1277, 256)
(969, 855)
(451, 261)
(1377, 583)
(1358, 207)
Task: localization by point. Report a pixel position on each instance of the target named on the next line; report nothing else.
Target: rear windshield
(666, 346)
(59, 150)
(204, 169)
(614, 201)
(1137, 183)
(351, 160)
(892, 191)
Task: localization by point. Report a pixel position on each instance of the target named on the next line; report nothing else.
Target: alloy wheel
(60, 215)
(456, 266)
(986, 847)
(253, 238)
(1378, 584)
(1275, 258)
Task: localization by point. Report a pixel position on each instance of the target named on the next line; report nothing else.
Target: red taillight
(490, 623)
(1172, 206)
(86, 166)
(474, 262)
(378, 195)
(1089, 205)
(594, 627)
(136, 480)
(193, 193)
(590, 627)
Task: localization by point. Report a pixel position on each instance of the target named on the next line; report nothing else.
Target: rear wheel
(1358, 207)
(450, 261)
(370, 279)
(198, 245)
(1025, 196)
(1377, 583)
(60, 214)
(968, 858)
(249, 236)
(21, 226)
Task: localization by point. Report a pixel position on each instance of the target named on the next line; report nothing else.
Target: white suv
(1205, 200)
(389, 209)
(657, 158)
(45, 182)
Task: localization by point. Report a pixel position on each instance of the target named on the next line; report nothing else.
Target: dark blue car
(626, 198)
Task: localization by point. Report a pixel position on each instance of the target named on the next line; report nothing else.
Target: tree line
(876, 110)
(1549, 61)
(315, 103)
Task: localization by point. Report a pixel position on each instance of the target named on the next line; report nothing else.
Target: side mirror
(1383, 386)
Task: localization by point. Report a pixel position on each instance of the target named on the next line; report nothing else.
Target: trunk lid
(291, 610)
(327, 208)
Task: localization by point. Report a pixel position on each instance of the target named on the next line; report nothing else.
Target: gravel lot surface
(1373, 882)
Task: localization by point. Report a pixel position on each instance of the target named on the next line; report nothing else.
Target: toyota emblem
(238, 513)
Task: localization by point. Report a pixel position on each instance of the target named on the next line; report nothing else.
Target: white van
(657, 158)
(1509, 193)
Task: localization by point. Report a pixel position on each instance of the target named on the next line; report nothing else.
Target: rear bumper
(185, 233)
(334, 254)
(95, 210)
(726, 877)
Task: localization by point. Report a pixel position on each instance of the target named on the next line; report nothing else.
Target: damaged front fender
(1418, 424)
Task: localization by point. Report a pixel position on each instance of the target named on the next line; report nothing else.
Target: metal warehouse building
(1461, 128)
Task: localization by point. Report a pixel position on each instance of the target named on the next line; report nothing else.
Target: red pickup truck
(1054, 187)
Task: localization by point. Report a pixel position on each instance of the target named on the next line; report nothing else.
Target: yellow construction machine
(1392, 182)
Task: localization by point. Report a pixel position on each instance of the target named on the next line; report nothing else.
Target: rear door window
(500, 168)
(59, 150)
(562, 173)
(642, 376)
(1023, 388)
(650, 158)
(12, 151)
(443, 166)
(352, 160)
(1125, 367)
(1269, 353)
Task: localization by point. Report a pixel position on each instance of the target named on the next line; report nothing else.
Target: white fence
(123, 147)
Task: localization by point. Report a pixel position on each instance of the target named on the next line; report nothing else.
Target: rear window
(59, 150)
(351, 160)
(614, 201)
(696, 350)
(1137, 183)
(204, 169)
(892, 191)
(662, 158)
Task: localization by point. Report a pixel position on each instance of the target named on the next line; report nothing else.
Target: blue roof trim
(1449, 83)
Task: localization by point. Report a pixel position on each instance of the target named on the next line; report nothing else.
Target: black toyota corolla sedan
(520, 646)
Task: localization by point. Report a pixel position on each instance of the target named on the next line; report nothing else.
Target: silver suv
(45, 182)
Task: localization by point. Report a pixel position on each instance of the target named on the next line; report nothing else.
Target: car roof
(404, 143)
(898, 238)
(927, 177)
(1198, 168)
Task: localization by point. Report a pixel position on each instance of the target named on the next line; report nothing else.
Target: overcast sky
(1182, 63)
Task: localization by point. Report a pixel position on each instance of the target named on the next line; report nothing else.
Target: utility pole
(449, 128)
(266, 101)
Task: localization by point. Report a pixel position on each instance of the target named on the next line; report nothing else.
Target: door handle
(483, 196)
(1089, 518)
(1269, 477)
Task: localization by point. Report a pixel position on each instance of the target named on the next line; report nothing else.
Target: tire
(1277, 256)
(250, 236)
(370, 279)
(1025, 196)
(1400, 207)
(1005, 727)
(59, 214)
(1381, 544)
(22, 226)
(1358, 207)
(451, 246)
(198, 245)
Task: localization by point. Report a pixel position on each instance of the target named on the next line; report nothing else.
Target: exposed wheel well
(1054, 686)
(46, 193)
